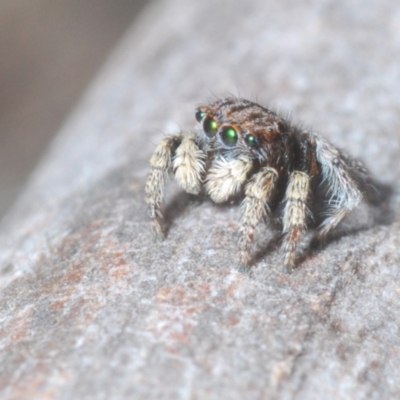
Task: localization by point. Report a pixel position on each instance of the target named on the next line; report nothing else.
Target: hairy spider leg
(180, 154)
(189, 164)
(254, 208)
(297, 196)
(342, 191)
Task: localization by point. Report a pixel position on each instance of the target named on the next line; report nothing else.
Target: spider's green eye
(250, 140)
(200, 115)
(209, 126)
(229, 136)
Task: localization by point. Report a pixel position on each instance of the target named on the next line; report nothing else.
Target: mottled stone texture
(92, 308)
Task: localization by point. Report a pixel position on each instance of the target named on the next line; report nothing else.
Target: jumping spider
(242, 148)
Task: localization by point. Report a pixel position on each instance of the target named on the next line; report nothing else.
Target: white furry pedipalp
(189, 165)
(226, 177)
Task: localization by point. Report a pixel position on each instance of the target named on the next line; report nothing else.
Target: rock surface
(91, 307)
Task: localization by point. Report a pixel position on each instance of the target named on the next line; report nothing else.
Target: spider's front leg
(181, 154)
(254, 208)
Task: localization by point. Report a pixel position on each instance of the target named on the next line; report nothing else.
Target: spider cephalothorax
(242, 148)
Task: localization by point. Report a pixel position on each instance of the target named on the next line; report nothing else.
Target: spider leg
(254, 208)
(295, 213)
(181, 154)
(160, 162)
(189, 164)
(337, 174)
(297, 195)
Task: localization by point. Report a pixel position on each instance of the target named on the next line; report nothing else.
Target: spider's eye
(250, 140)
(229, 136)
(209, 126)
(200, 115)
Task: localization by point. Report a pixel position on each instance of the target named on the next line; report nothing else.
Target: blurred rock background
(49, 51)
(92, 308)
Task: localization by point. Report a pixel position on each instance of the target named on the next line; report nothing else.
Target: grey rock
(91, 307)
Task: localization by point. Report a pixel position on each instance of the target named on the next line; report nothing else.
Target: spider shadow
(380, 209)
(381, 202)
(271, 246)
(176, 206)
(381, 212)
